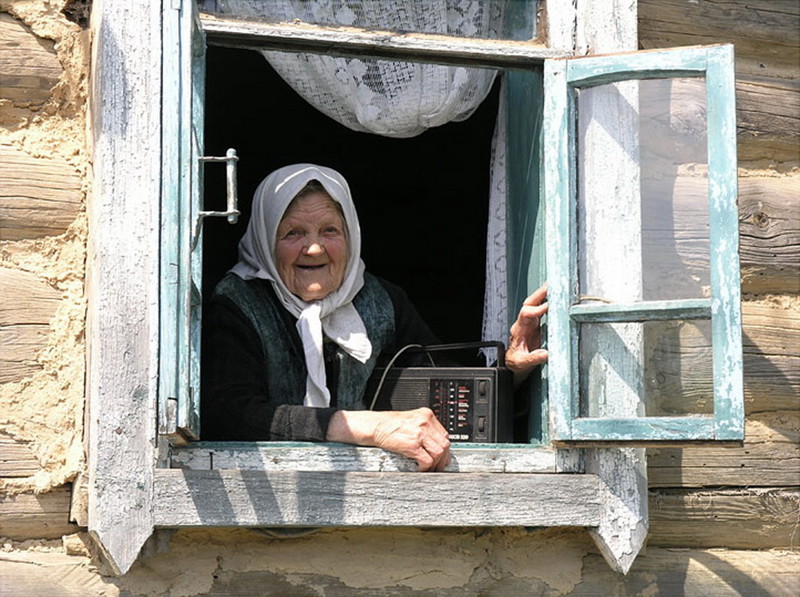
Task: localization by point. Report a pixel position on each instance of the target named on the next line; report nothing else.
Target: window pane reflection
(666, 363)
(671, 214)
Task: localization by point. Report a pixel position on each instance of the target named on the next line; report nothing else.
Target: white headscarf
(335, 314)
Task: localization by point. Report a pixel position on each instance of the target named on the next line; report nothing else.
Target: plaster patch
(421, 560)
(553, 556)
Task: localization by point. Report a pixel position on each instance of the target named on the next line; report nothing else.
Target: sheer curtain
(400, 99)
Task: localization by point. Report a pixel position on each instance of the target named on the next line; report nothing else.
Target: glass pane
(666, 363)
(658, 235)
(487, 19)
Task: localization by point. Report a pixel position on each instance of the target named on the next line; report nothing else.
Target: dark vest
(283, 349)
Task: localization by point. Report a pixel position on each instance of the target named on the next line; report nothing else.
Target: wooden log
(767, 121)
(26, 309)
(770, 457)
(49, 573)
(771, 361)
(695, 572)
(769, 234)
(38, 196)
(16, 458)
(767, 41)
(766, 35)
(736, 518)
(36, 516)
(679, 373)
(29, 67)
(19, 344)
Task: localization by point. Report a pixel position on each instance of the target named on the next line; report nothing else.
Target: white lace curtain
(400, 99)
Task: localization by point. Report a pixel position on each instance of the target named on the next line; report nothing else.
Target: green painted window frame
(180, 316)
(562, 79)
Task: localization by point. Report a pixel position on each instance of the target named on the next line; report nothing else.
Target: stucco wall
(703, 541)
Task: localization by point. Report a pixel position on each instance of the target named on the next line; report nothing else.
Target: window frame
(131, 494)
(562, 79)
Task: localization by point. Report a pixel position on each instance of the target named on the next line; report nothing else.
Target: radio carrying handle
(501, 349)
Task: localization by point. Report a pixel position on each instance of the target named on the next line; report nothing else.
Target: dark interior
(422, 202)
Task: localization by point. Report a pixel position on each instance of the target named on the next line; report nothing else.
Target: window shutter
(604, 346)
(181, 246)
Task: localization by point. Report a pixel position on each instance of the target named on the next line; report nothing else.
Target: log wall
(747, 498)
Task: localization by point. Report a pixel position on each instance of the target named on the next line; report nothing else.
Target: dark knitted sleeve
(235, 405)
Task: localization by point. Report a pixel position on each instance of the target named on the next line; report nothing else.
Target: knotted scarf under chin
(345, 327)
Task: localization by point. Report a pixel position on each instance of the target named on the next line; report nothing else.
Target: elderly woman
(297, 326)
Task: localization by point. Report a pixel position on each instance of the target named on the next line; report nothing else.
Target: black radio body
(474, 404)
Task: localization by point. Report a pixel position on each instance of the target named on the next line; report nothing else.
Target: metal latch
(232, 212)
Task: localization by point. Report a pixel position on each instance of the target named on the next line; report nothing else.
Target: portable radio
(474, 404)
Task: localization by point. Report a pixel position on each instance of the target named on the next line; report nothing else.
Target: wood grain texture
(771, 336)
(29, 67)
(251, 33)
(274, 456)
(28, 305)
(769, 233)
(695, 572)
(767, 53)
(770, 457)
(122, 291)
(254, 498)
(36, 516)
(38, 196)
(16, 458)
(736, 519)
(623, 527)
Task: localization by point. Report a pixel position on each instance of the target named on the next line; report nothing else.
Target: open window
(260, 484)
(644, 284)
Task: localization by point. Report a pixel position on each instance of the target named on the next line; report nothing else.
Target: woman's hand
(414, 433)
(525, 350)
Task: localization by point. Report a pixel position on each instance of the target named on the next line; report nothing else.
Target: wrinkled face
(311, 249)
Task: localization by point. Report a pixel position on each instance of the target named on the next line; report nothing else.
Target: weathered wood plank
(122, 315)
(36, 516)
(769, 229)
(49, 573)
(18, 347)
(736, 518)
(27, 298)
(252, 33)
(680, 380)
(29, 67)
(16, 458)
(766, 35)
(337, 457)
(770, 457)
(768, 121)
(38, 196)
(253, 498)
(767, 41)
(28, 304)
(771, 337)
(695, 572)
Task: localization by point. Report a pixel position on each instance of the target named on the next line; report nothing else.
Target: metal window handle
(232, 212)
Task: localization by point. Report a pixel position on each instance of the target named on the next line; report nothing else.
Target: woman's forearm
(414, 433)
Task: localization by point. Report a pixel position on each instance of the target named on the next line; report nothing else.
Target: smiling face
(311, 249)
